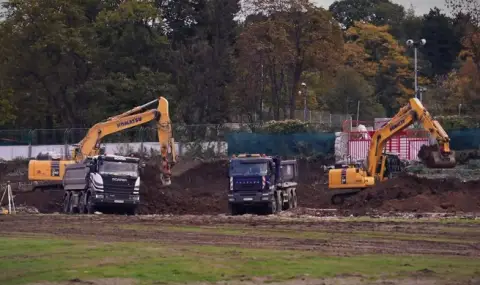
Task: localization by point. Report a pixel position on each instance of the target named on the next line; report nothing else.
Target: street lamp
(422, 90)
(416, 45)
(304, 87)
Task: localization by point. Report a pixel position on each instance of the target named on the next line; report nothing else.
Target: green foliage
(7, 109)
(456, 122)
(443, 44)
(350, 88)
(286, 127)
(377, 12)
(74, 63)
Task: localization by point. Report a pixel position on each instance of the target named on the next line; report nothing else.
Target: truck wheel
(279, 202)
(72, 209)
(90, 207)
(290, 200)
(81, 204)
(66, 203)
(272, 206)
(294, 198)
(132, 211)
(232, 209)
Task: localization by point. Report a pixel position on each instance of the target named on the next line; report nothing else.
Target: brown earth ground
(200, 188)
(332, 237)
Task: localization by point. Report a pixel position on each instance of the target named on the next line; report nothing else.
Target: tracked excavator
(46, 172)
(347, 180)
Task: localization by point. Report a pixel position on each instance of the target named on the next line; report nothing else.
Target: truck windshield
(119, 168)
(242, 168)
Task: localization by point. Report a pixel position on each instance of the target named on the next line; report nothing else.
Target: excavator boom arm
(91, 142)
(413, 112)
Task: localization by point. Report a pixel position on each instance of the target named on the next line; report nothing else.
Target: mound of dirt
(203, 189)
(197, 188)
(414, 194)
(44, 202)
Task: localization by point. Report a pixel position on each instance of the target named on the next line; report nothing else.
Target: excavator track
(433, 157)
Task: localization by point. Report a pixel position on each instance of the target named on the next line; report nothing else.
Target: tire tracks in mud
(330, 237)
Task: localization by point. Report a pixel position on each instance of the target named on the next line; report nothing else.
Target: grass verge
(33, 260)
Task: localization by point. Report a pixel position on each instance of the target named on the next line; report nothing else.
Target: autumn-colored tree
(295, 36)
(469, 10)
(376, 54)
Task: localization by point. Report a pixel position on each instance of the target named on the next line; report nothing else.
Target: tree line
(72, 63)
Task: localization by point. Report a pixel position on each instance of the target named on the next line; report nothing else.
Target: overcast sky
(421, 6)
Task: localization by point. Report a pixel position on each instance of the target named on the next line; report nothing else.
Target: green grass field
(31, 260)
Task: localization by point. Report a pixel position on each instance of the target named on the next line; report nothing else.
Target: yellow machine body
(50, 171)
(380, 166)
(47, 170)
(346, 178)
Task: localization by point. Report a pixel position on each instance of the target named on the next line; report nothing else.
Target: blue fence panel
(464, 139)
(283, 145)
(15, 137)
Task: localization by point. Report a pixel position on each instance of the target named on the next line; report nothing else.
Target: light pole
(304, 87)
(416, 45)
(422, 90)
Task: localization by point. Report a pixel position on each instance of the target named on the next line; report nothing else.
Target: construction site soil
(332, 237)
(200, 188)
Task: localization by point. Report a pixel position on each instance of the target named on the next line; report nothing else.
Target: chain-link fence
(195, 140)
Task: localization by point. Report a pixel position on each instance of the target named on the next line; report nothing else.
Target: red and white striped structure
(405, 144)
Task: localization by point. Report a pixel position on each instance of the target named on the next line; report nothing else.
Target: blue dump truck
(261, 182)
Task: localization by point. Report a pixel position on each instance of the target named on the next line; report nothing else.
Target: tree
(74, 63)
(378, 56)
(295, 37)
(351, 88)
(468, 11)
(45, 52)
(376, 12)
(202, 65)
(443, 45)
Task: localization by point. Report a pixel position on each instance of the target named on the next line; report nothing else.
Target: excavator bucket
(433, 157)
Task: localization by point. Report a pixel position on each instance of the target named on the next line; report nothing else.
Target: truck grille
(245, 184)
(118, 185)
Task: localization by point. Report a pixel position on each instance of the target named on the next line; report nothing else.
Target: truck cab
(261, 182)
(104, 181)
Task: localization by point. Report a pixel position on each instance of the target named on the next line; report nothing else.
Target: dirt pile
(202, 189)
(417, 194)
(44, 202)
(199, 190)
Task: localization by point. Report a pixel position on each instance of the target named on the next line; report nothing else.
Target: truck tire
(66, 203)
(285, 204)
(278, 199)
(131, 212)
(290, 199)
(272, 206)
(82, 204)
(232, 209)
(90, 208)
(73, 209)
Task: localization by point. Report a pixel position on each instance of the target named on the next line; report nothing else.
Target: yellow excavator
(47, 171)
(347, 180)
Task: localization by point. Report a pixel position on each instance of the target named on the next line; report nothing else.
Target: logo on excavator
(394, 126)
(129, 122)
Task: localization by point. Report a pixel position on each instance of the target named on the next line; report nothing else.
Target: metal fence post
(34, 133)
(30, 134)
(141, 133)
(65, 141)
